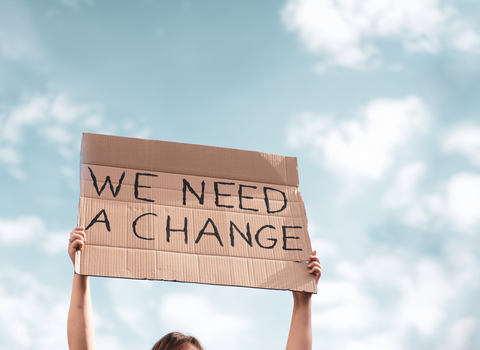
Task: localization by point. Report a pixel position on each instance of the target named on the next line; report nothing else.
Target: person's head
(177, 341)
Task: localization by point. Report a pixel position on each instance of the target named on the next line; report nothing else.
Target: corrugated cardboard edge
(203, 269)
(189, 159)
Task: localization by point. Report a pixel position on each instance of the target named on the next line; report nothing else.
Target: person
(80, 330)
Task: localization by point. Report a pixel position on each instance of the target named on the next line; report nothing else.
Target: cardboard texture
(179, 212)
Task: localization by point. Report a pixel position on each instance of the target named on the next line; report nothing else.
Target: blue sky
(377, 99)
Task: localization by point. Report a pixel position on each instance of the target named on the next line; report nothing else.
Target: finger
(314, 263)
(316, 269)
(79, 230)
(76, 236)
(76, 245)
(76, 233)
(317, 272)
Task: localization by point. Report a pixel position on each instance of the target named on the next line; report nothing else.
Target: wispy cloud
(365, 146)
(33, 313)
(415, 296)
(55, 119)
(217, 329)
(464, 140)
(460, 334)
(455, 205)
(346, 33)
(31, 230)
(21, 230)
(18, 38)
(52, 117)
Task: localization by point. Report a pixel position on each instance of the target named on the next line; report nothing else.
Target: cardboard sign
(179, 212)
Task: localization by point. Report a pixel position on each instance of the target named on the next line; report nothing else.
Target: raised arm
(300, 335)
(80, 331)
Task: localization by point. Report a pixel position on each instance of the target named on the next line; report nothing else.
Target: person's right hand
(76, 242)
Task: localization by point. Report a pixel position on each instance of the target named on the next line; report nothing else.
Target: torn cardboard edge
(139, 259)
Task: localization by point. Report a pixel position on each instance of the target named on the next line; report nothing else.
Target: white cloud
(10, 155)
(18, 38)
(23, 230)
(53, 113)
(55, 243)
(363, 147)
(32, 112)
(420, 211)
(424, 297)
(465, 37)
(345, 31)
(93, 121)
(57, 134)
(460, 334)
(463, 201)
(55, 119)
(464, 140)
(468, 41)
(377, 302)
(51, 116)
(390, 339)
(405, 189)
(131, 301)
(344, 307)
(195, 315)
(64, 110)
(31, 230)
(33, 314)
(109, 342)
(133, 316)
(325, 248)
(456, 203)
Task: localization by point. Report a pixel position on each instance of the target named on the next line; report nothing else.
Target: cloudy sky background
(378, 99)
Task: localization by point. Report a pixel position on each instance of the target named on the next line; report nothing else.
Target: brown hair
(174, 340)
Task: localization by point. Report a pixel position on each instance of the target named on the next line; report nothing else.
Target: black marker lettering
(172, 230)
(214, 233)
(215, 184)
(240, 197)
(95, 220)
(135, 227)
(247, 239)
(285, 237)
(267, 201)
(274, 240)
(137, 186)
(99, 191)
(187, 184)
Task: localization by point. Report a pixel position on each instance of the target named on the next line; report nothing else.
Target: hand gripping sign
(179, 212)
